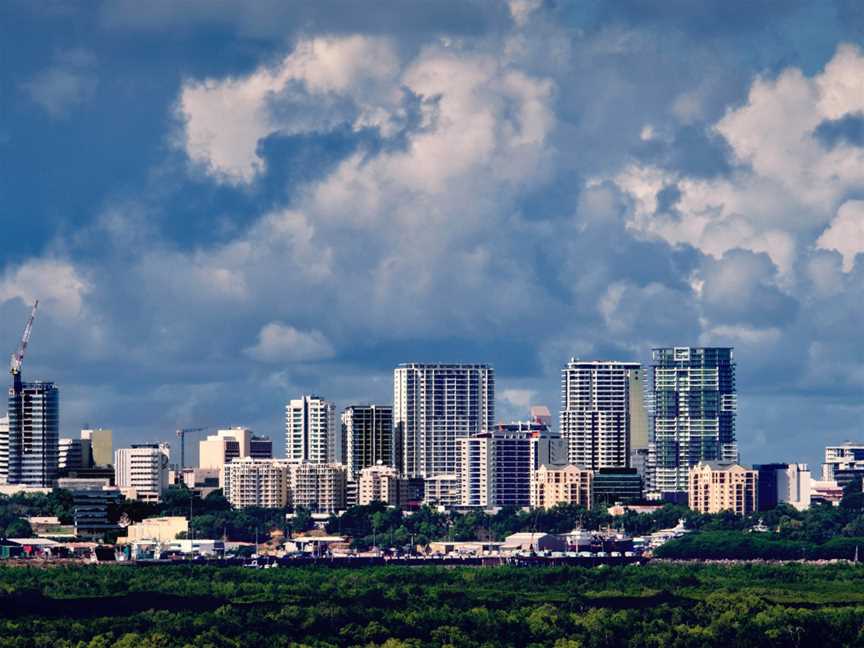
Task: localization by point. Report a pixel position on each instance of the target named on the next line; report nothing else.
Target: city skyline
(295, 199)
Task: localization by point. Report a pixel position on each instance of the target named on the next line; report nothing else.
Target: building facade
(435, 405)
(381, 483)
(495, 467)
(848, 456)
(261, 447)
(141, 472)
(597, 398)
(32, 442)
(368, 434)
(311, 434)
(551, 485)
(101, 445)
(723, 486)
(783, 483)
(694, 402)
(614, 485)
(264, 483)
(4, 449)
(318, 487)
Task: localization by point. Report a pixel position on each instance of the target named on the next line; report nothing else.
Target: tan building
(224, 446)
(161, 529)
(381, 484)
(101, 445)
(720, 486)
(257, 482)
(318, 487)
(551, 485)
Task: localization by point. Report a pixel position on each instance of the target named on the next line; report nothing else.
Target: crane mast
(17, 358)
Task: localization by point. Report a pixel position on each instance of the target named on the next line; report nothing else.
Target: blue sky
(222, 205)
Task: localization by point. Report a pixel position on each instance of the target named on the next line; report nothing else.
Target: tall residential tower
(695, 404)
(310, 431)
(435, 405)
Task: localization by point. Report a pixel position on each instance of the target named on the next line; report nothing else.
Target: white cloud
(521, 398)
(223, 120)
(69, 82)
(278, 342)
(846, 233)
(54, 282)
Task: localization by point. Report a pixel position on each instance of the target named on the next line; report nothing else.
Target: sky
(223, 205)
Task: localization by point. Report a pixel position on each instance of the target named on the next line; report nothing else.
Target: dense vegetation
(655, 605)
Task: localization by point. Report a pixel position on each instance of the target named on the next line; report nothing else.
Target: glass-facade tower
(694, 403)
(32, 443)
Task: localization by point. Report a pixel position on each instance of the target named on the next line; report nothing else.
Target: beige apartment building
(381, 484)
(551, 485)
(318, 487)
(723, 486)
(257, 482)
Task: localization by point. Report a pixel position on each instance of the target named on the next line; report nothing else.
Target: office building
(848, 456)
(141, 472)
(552, 485)
(101, 445)
(694, 401)
(32, 441)
(72, 455)
(261, 447)
(381, 483)
(723, 486)
(91, 499)
(311, 434)
(368, 434)
(783, 483)
(597, 420)
(495, 467)
(318, 487)
(435, 405)
(613, 485)
(264, 483)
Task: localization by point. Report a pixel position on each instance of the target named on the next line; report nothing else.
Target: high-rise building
(141, 472)
(264, 483)
(781, 483)
(848, 456)
(368, 434)
(694, 401)
(101, 445)
(73, 454)
(723, 486)
(34, 433)
(551, 485)
(310, 431)
(597, 417)
(435, 405)
(381, 483)
(318, 487)
(495, 467)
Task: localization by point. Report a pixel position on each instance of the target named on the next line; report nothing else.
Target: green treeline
(654, 605)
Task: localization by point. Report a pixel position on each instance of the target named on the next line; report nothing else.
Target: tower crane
(17, 358)
(181, 434)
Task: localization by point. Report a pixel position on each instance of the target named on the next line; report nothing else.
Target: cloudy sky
(222, 205)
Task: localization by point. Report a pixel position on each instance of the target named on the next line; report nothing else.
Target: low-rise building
(612, 485)
(826, 490)
(781, 483)
(533, 542)
(91, 499)
(161, 529)
(723, 486)
(551, 485)
(382, 484)
(141, 472)
(442, 490)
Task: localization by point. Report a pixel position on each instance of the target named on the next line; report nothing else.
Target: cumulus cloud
(846, 233)
(278, 342)
(58, 284)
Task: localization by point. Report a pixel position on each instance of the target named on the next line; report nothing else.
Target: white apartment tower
(597, 398)
(310, 431)
(435, 405)
(142, 470)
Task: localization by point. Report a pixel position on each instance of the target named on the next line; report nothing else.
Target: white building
(141, 472)
(318, 487)
(846, 456)
(495, 467)
(262, 483)
(367, 431)
(435, 405)
(4, 449)
(598, 399)
(224, 446)
(781, 483)
(310, 431)
(381, 484)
